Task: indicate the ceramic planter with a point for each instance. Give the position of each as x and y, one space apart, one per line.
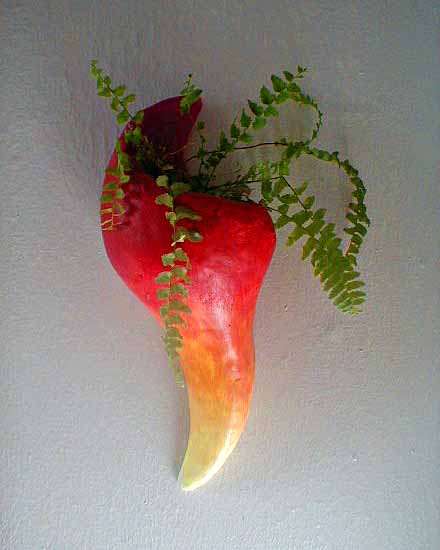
228 268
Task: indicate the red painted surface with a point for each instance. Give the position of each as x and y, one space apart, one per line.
228 268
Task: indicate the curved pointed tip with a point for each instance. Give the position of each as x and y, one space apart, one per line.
195 472
190 482
215 431
219 392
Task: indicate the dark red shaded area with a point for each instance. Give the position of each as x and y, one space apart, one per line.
165 126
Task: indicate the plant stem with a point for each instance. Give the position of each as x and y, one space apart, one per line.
273 209
244 147
240 182
260 144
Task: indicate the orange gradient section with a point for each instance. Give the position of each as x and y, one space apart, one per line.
219 372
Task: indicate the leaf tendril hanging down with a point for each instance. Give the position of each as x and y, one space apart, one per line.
174 279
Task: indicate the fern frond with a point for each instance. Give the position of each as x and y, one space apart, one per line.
251 120
119 102
323 247
288 88
357 216
112 193
190 94
172 282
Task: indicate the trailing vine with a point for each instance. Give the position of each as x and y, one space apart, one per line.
174 278
270 179
148 157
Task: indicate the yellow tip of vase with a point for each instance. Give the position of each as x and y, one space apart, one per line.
189 481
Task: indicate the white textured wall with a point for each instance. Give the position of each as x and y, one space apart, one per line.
343 444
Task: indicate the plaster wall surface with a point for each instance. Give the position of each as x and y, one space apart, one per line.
342 448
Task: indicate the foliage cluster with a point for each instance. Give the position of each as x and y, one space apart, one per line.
271 181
